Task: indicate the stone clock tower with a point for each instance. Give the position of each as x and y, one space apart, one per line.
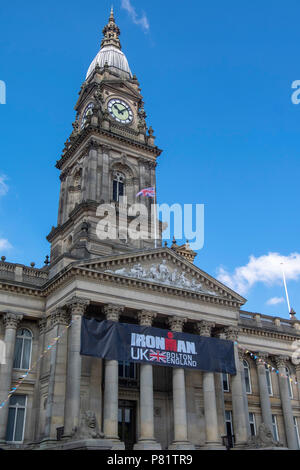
109 154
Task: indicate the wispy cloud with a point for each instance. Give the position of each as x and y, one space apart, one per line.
4 244
265 269
3 185
142 20
275 301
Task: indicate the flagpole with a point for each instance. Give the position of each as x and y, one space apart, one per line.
155 216
286 291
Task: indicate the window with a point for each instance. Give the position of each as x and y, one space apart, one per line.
269 380
252 424
118 186
22 355
16 418
229 427
127 370
225 379
275 428
247 376
296 431
288 378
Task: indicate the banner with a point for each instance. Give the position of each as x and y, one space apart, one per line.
135 343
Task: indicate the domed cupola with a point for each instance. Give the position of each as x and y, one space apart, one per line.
110 52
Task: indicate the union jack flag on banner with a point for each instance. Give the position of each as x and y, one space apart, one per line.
157 356
147 192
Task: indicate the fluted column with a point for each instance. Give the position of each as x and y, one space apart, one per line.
263 391
111 384
59 320
179 397
77 307
240 422
11 322
281 363
146 439
209 396
37 388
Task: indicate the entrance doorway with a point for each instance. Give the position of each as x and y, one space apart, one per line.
127 423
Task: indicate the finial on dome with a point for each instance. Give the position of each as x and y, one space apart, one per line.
111 32
111 18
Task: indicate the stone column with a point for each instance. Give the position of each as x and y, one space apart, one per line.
111 387
37 386
297 367
281 363
77 307
213 440
146 439
11 322
263 391
179 398
59 320
240 423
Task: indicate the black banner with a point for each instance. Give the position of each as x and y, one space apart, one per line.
134 343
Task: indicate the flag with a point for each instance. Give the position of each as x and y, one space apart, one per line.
147 192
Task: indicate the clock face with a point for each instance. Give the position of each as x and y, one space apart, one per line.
87 111
120 111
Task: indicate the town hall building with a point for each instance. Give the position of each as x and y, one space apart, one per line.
53 397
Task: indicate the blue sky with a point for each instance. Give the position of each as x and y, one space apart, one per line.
216 79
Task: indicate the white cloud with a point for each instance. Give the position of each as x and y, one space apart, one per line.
4 244
275 301
3 185
266 269
142 21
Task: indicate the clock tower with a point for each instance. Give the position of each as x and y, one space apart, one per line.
108 158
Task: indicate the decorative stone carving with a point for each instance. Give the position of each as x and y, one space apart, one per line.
204 327
12 320
264 438
146 317
77 305
42 325
281 361
176 323
60 317
113 311
162 274
232 333
261 358
88 428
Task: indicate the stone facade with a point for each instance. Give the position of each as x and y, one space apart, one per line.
69 401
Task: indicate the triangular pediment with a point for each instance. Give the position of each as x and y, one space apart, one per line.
162 267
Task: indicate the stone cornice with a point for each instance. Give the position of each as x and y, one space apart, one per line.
269 334
102 132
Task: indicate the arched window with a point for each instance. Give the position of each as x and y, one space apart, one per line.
269 380
288 378
247 376
118 186
23 346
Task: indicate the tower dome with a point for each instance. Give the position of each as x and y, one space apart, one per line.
110 52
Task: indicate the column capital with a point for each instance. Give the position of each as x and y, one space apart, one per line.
204 327
146 317
242 354
176 323
232 333
12 320
60 316
42 323
261 358
77 305
113 311
281 361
